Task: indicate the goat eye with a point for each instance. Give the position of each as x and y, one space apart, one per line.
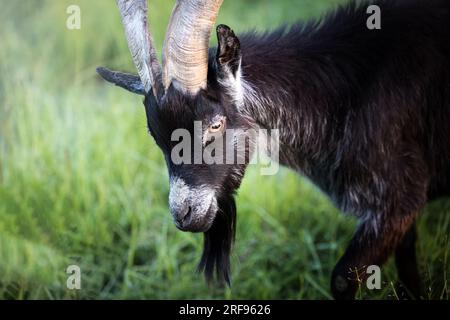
216 127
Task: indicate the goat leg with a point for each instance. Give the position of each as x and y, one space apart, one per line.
375 240
406 262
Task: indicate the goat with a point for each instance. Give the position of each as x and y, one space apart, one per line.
364 114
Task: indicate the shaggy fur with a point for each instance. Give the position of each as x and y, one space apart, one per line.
364 114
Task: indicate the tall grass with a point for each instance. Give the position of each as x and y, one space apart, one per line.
82 183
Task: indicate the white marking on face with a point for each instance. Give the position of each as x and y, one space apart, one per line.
233 86
201 199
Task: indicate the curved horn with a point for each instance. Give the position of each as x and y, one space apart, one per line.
185 52
140 43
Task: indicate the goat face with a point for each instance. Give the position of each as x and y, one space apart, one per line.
192 103
207 169
198 135
203 136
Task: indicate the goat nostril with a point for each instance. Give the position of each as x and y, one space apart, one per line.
182 218
187 214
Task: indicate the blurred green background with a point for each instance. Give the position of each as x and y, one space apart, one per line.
81 181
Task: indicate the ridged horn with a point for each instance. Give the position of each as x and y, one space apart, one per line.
140 43
185 52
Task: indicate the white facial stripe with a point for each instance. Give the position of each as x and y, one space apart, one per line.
199 198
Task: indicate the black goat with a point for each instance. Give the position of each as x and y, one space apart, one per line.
364 114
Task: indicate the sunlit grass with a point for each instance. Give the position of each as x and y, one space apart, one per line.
82 183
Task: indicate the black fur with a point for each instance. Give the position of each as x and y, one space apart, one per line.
218 241
364 114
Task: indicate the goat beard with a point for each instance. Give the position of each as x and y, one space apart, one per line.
218 241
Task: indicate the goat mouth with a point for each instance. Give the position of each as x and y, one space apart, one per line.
208 220
210 217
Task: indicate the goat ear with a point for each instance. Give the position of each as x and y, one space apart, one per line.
228 51
127 81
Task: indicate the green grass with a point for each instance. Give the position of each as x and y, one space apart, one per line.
81 182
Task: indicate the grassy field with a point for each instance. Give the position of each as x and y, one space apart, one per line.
81 182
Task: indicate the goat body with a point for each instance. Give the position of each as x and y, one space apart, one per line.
365 114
